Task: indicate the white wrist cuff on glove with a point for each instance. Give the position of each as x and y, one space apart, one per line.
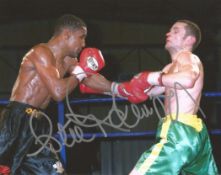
79 73
114 88
155 78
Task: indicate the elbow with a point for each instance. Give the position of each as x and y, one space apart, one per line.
190 81
189 84
57 98
57 95
184 84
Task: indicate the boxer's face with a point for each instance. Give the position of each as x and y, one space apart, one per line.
175 38
76 41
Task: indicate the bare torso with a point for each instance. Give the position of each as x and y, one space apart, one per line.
184 100
29 88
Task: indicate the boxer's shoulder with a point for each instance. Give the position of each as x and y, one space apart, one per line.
42 53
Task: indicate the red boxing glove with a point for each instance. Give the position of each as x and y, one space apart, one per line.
125 90
119 89
139 83
4 170
91 61
145 80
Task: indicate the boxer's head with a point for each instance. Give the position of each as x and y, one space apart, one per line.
192 29
183 34
70 22
73 31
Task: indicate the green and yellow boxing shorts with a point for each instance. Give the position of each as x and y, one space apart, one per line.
182 146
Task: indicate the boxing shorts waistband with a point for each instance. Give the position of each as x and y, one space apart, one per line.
187 119
23 107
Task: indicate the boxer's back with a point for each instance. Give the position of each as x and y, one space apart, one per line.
29 87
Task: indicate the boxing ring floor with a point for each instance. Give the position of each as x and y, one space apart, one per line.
116 135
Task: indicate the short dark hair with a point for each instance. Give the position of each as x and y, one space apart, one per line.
68 21
192 29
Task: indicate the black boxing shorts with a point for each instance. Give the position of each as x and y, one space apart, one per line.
17 141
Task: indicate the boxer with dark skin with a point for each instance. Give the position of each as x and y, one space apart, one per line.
41 74
40 80
42 70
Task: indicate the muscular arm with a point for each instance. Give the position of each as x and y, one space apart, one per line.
186 75
44 63
98 82
156 90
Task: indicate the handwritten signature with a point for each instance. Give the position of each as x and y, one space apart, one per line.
65 132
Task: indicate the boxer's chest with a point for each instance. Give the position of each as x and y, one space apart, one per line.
173 68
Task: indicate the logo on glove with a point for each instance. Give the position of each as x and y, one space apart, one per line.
92 63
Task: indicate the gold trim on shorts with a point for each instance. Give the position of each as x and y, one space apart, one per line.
33 113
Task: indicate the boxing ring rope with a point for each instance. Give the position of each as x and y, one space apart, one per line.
117 134
61 120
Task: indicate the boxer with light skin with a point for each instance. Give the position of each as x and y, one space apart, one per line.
183 144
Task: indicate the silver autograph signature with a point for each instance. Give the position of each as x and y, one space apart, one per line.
67 131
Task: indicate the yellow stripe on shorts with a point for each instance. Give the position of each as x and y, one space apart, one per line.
157 148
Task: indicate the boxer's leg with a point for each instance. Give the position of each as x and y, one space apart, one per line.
204 162
45 163
164 156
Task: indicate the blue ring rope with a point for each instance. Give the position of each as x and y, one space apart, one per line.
129 134
113 134
109 99
117 99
